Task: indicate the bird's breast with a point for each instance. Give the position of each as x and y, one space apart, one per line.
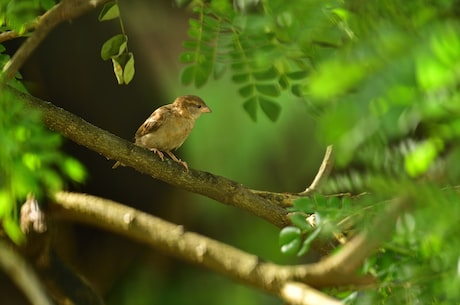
169 136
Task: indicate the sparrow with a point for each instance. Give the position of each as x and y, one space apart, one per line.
168 127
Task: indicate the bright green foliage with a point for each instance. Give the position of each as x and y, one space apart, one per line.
268 51
109 11
17 14
31 162
374 74
116 48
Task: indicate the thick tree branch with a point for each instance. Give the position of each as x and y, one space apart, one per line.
64 10
195 248
113 147
297 293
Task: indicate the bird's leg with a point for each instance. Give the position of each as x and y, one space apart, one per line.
184 164
159 153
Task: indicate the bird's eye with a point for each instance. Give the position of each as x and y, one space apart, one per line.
198 106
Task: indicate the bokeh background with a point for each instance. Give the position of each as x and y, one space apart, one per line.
283 156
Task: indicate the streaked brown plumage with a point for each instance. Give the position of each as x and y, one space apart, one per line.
169 126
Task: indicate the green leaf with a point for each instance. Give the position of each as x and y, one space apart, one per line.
321 200
114 47
300 221
334 203
239 66
109 11
190 44
240 78
251 108
74 170
268 74
283 81
202 74
421 158
31 161
324 84
297 90
297 75
187 75
269 89
52 179
13 231
290 240
287 234
118 69
123 67
187 57
270 108
305 205
307 242
6 204
246 91
292 247
219 70
47 4
128 71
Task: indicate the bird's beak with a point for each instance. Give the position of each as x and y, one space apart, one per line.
206 109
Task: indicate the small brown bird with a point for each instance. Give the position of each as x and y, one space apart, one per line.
168 127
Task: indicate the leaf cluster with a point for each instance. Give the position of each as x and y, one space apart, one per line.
268 48
116 47
318 217
15 15
398 85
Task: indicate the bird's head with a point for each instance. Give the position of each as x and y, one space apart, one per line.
191 106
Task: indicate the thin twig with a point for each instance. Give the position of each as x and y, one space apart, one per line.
323 172
286 199
9 35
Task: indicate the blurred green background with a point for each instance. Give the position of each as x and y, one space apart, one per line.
384 77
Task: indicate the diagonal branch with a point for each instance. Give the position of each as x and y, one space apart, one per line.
113 147
298 293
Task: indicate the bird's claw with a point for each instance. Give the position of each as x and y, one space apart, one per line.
159 153
183 163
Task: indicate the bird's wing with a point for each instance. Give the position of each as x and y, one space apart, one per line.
154 121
